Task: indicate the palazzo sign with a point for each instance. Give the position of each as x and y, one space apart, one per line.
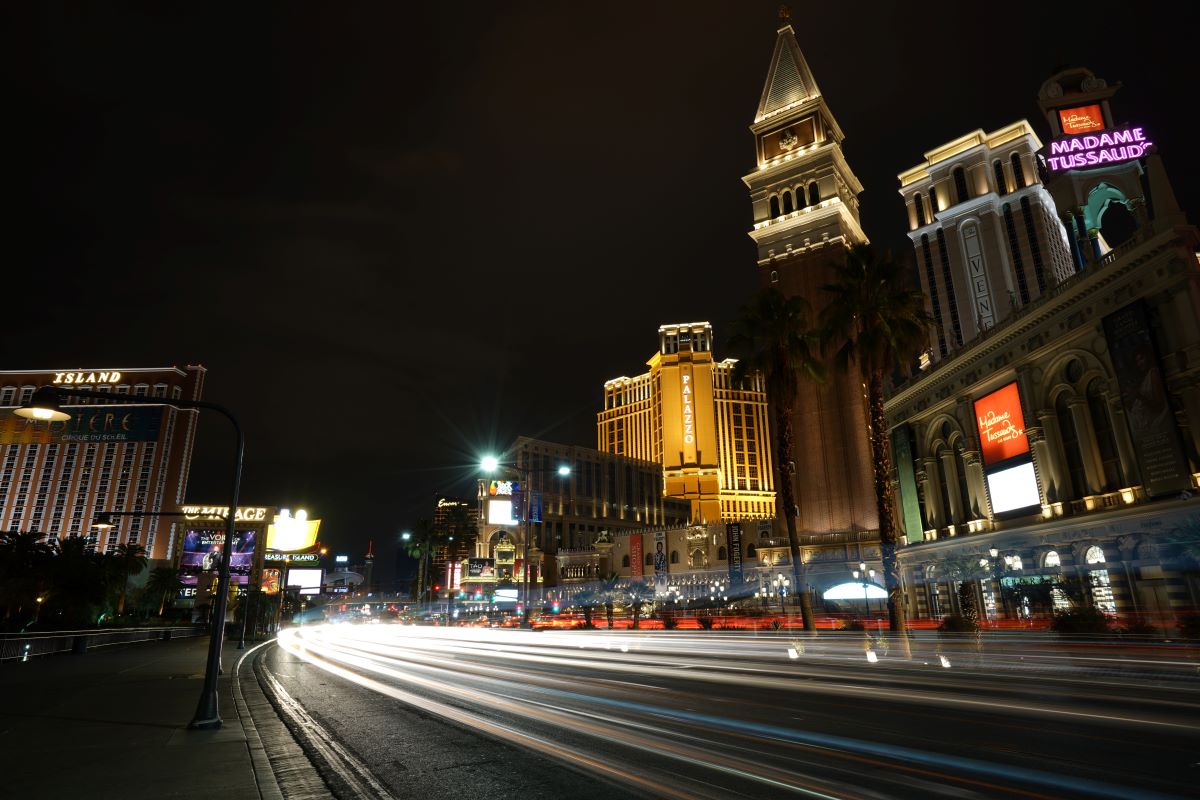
1092 150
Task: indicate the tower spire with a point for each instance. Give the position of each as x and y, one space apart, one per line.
790 82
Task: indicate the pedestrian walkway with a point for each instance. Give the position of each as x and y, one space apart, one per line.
113 724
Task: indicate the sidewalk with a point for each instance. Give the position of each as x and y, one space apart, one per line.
113 724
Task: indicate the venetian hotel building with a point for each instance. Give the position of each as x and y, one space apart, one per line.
709 435
57 477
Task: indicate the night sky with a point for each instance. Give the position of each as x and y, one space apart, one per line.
400 236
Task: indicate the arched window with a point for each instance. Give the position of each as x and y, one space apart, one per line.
625 560
722 554
1018 171
774 206
751 552
814 193
1098 581
998 171
1051 560
787 202
774 276
1070 443
1117 224
1039 267
649 559
1014 249
674 556
934 298
1095 555
960 184
1105 443
697 559
920 206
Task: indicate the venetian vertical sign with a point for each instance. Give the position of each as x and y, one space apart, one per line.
984 308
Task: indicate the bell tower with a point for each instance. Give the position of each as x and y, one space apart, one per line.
805 203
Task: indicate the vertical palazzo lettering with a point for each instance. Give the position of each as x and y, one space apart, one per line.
985 316
689 425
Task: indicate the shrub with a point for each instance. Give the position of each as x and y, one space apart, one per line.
958 624
852 624
669 622
705 622
1189 626
1080 621
1139 627
776 624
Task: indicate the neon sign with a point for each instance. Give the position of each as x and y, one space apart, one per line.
86 377
1110 147
689 424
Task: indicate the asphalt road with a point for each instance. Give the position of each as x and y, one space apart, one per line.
465 713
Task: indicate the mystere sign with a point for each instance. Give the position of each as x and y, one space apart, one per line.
1092 150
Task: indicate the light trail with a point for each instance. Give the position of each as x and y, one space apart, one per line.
561 694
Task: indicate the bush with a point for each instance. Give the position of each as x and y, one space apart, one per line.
776 624
958 624
1189 626
852 624
1080 621
705 622
1139 627
669 622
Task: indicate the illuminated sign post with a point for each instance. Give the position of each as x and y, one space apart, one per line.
1092 150
1008 465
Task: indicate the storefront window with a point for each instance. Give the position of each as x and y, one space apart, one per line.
1102 596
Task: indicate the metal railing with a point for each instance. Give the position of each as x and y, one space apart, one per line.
23 646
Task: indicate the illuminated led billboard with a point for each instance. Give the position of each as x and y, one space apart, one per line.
1001 425
500 512
1083 119
308 581
290 534
1013 488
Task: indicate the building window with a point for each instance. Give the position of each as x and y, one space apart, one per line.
722 554
774 276
998 171
625 560
697 559
649 560
934 298
960 184
1105 443
920 207
787 202
1070 443
674 556
1051 560
1015 248
774 206
949 281
1039 269
814 193
1018 171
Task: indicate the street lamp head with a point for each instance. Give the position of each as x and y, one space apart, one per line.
862 566
43 406
993 552
490 463
856 573
564 471
405 536
103 522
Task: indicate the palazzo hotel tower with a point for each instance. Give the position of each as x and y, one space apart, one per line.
709 434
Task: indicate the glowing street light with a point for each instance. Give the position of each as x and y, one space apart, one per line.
45 405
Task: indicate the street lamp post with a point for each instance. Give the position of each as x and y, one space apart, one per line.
45 406
490 464
862 573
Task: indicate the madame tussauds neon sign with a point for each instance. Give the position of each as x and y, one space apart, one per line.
1092 150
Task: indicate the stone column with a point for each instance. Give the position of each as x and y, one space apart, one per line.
1093 468
1057 486
976 487
935 505
1190 395
1125 452
1128 547
950 470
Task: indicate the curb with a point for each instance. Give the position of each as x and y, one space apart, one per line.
264 776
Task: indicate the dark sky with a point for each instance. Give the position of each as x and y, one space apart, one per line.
399 236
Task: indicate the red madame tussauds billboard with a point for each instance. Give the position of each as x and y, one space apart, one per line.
1001 425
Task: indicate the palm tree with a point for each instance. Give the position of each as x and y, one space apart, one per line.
584 600
608 593
26 562
162 583
878 324
130 559
774 338
640 595
420 548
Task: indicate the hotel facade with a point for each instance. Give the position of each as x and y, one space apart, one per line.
56 478
708 434
1046 451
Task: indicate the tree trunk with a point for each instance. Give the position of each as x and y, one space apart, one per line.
608 609
121 601
587 617
881 456
787 501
